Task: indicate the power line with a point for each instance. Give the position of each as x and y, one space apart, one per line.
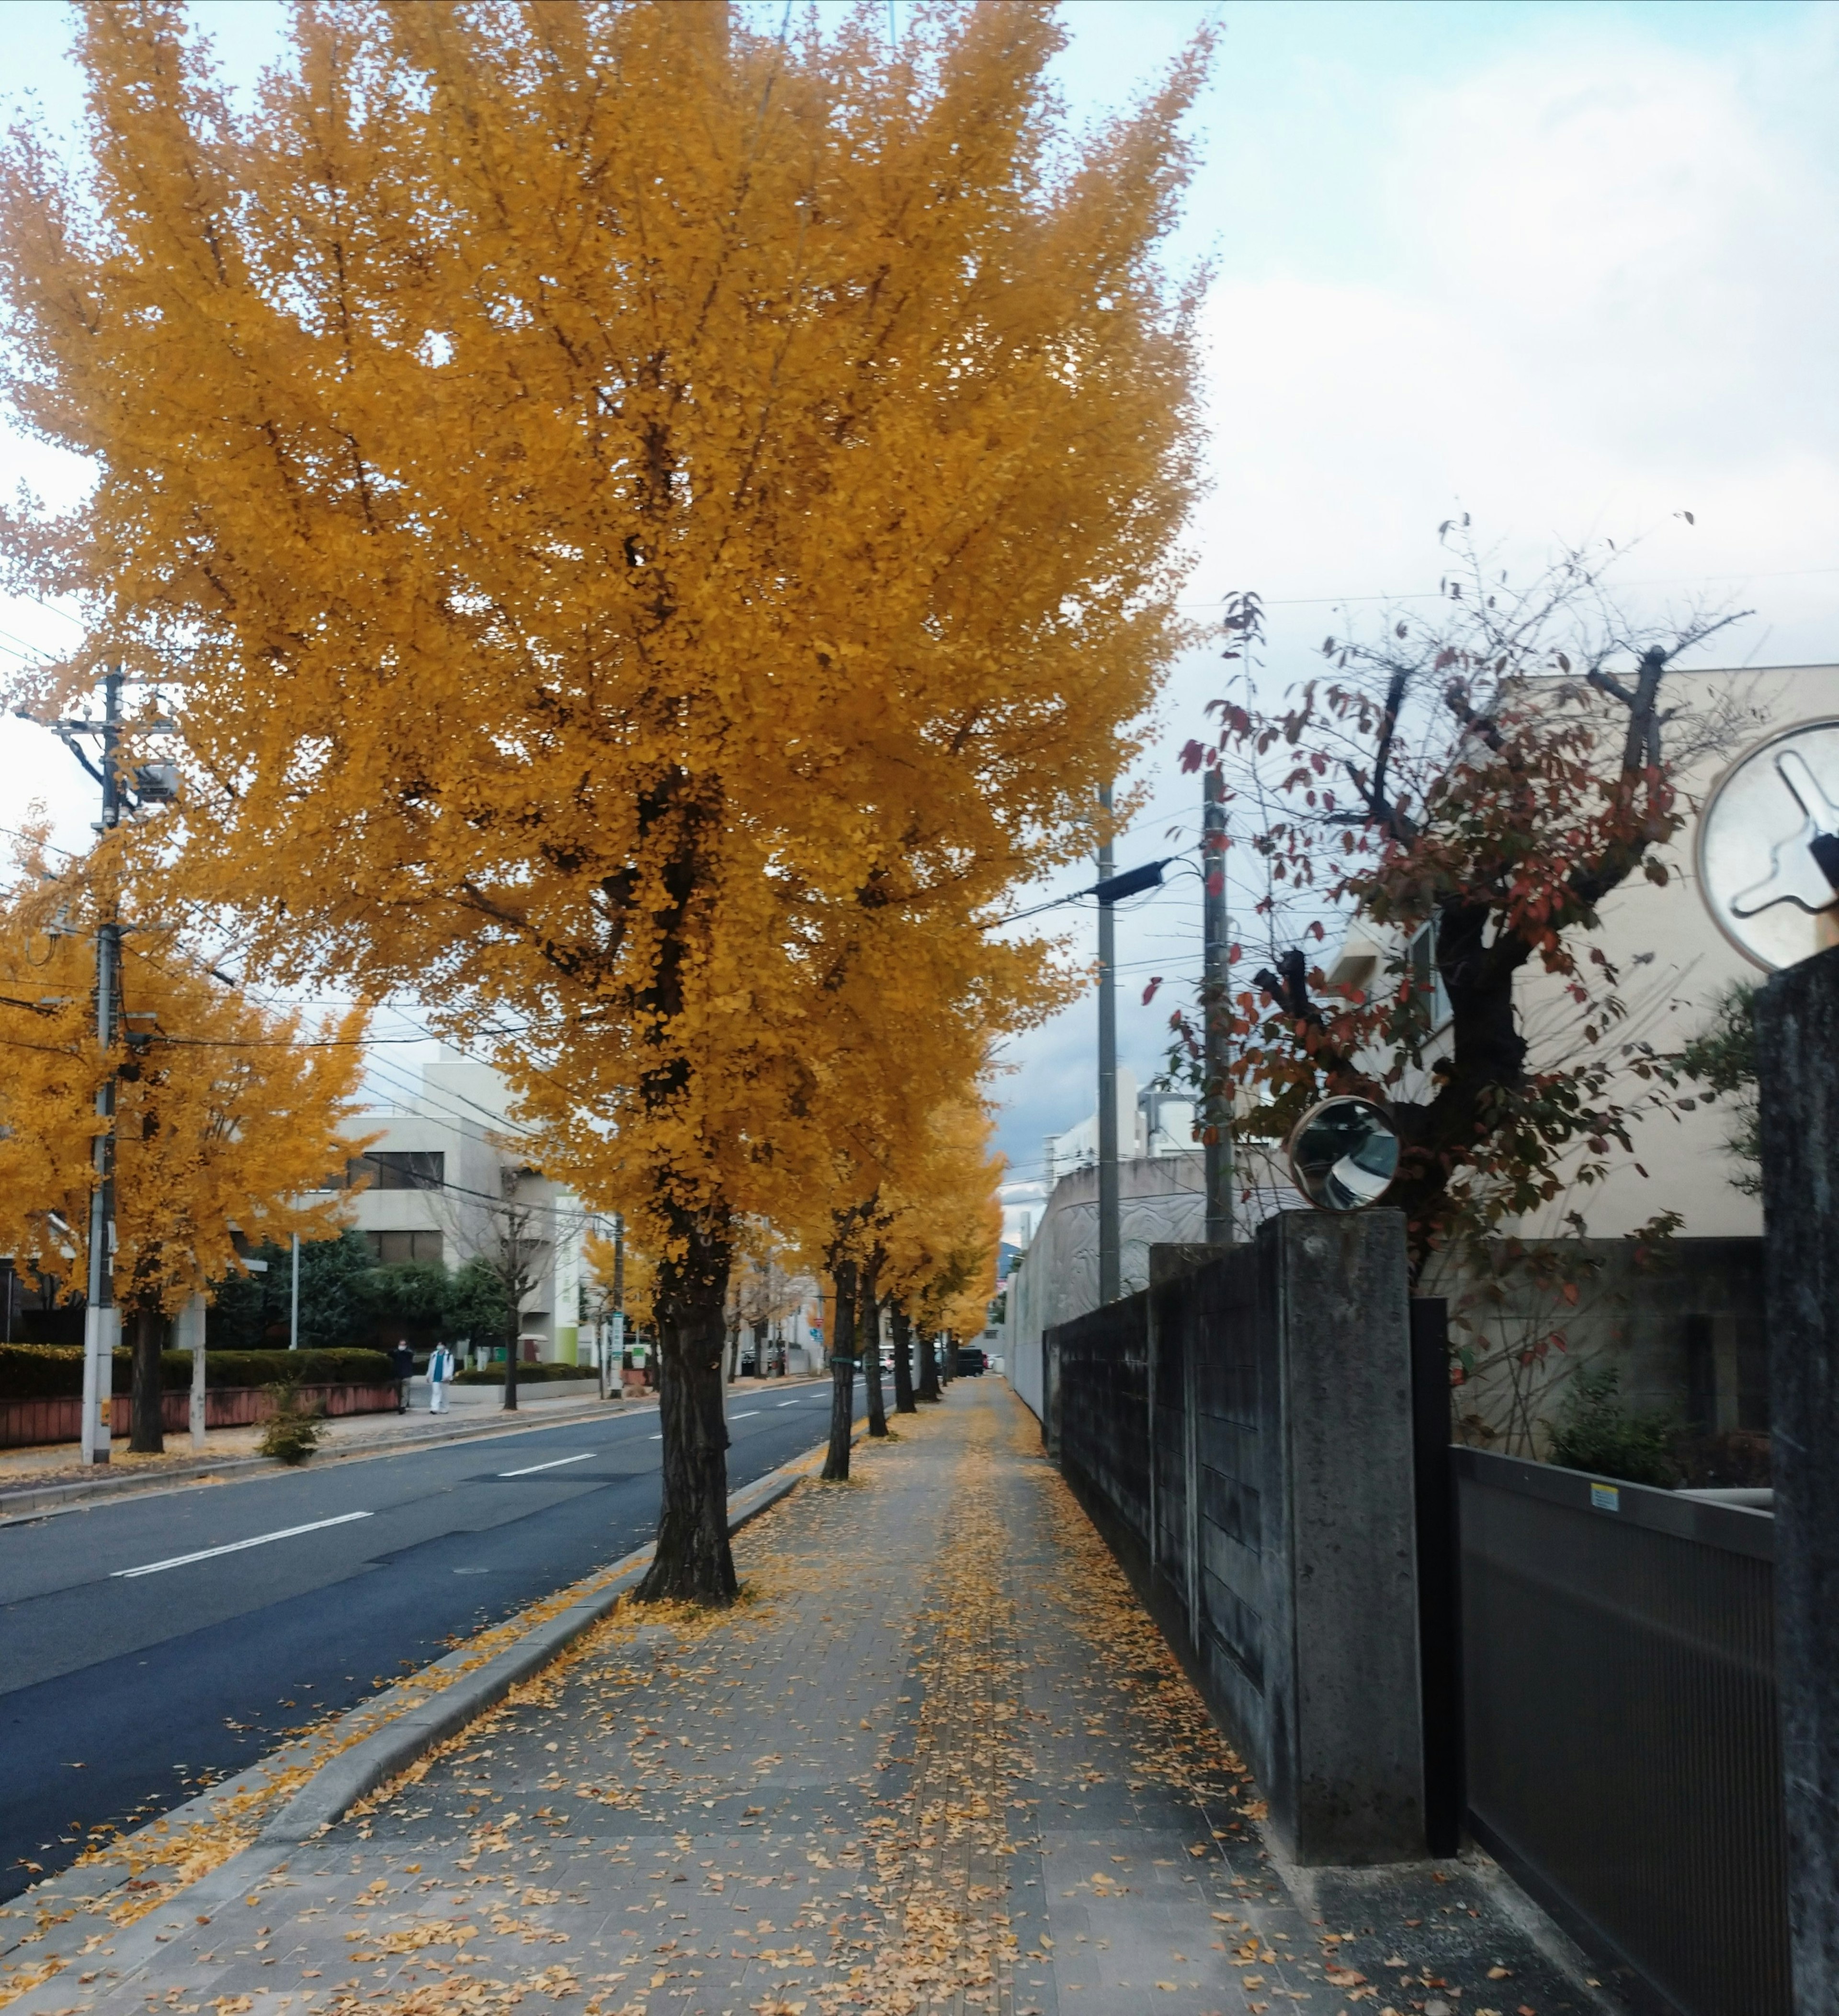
1430 595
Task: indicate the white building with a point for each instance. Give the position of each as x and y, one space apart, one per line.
1151 1123
445 1182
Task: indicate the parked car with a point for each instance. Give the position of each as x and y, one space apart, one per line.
972 1362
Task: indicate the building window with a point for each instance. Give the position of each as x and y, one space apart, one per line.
398 1169
392 1249
1426 982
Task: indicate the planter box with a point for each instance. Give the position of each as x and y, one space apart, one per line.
25 1424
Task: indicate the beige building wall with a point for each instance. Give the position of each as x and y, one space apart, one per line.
1675 964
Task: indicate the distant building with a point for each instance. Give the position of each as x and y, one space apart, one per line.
1152 1123
445 1182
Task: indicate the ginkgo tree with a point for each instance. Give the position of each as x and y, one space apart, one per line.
610 493
230 1117
945 1227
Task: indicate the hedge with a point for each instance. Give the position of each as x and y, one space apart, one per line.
528 1375
44 1371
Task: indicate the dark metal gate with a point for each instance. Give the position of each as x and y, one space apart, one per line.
1615 1735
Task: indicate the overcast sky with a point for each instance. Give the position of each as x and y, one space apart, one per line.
1569 267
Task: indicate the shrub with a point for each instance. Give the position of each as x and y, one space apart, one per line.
47 1371
1596 1431
348 1366
528 1375
293 1433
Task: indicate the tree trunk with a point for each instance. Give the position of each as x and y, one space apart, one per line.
693 1563
901 1329
948 1357
871 1349
734 1351
146 1429
928 1366
842 1374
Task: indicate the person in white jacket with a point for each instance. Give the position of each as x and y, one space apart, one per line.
440 1371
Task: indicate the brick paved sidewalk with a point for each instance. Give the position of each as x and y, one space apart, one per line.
939 1760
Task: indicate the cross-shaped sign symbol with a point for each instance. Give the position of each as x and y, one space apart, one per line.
1804 869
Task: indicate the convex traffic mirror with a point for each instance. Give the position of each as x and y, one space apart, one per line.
1343 1154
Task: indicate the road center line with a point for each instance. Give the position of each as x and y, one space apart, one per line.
531 1469
236 1546
788 1403
747 1417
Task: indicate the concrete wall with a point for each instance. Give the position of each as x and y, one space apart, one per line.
1684 1326
1160 1203
1241 1433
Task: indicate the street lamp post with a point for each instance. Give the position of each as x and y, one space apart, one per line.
101 1319
1216 1111
1109 1227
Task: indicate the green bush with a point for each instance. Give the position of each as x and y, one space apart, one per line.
293 1432
528 1375
1596 1432
45 1371
349 1366
48 1371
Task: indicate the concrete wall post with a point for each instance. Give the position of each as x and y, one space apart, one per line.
1345 1728
1797 1060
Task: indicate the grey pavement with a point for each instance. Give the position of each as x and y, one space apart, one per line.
939 1759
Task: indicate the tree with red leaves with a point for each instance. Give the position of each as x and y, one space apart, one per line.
1472 787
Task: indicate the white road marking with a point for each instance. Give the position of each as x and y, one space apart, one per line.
747 1417
657 1438
531 1470
790 1403
236 1546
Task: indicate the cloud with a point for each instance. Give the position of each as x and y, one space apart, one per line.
1601 287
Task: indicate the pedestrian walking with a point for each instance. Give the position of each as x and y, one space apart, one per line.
402 1357
440 1371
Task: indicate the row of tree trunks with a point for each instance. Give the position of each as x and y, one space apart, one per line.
693 1563
836 1469
870 1347
928 1365
901 1327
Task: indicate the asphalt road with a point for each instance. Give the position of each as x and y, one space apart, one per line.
130 1672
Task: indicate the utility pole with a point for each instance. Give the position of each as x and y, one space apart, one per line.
619 1298
294 1300
1108 1273
1216 1109
101 1319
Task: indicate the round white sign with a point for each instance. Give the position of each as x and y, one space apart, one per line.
1767 851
